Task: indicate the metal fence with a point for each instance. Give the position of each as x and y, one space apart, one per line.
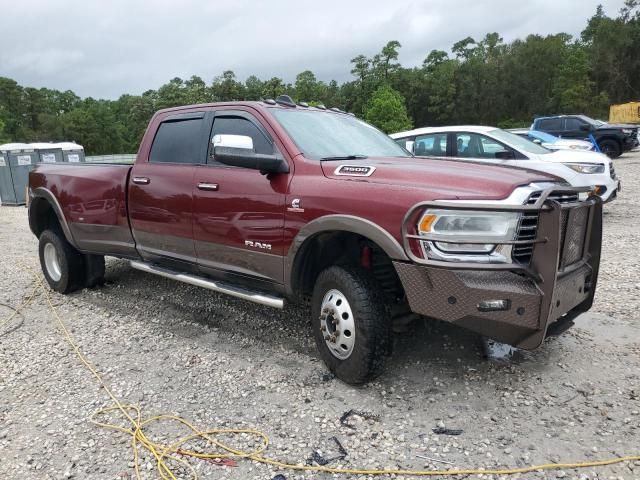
118 158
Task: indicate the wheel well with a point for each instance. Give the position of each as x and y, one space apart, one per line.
611 139
42 217
343 248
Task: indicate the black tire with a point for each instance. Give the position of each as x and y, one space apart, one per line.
610 148
93 270
70 272
370 316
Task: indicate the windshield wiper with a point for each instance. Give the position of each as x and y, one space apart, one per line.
345 157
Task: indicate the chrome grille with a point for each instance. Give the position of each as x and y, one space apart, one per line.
528 228
557 196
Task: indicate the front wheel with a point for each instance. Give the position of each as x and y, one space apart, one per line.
610 148
351 324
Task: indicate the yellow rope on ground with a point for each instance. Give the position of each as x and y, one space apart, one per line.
166 454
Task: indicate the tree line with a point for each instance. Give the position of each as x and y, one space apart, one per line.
484 81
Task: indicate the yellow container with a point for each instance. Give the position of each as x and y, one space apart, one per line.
625 113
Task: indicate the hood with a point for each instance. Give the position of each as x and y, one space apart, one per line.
616 126
444 178
575 156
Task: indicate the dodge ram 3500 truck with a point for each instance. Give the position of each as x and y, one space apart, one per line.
274 202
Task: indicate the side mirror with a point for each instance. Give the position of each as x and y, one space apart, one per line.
505 155
237 151
233 141
585 128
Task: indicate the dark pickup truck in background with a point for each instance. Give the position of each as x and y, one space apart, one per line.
274 202
612 139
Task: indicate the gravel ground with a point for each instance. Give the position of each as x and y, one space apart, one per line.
221 362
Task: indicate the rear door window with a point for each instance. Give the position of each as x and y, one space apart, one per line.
550 124
179 141
433 144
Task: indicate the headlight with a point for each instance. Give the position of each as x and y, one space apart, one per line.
580 147
485 229
586 167
627 131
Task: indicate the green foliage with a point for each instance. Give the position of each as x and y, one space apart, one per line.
387 110
481 81
4 138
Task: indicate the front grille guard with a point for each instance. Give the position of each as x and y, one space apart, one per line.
547 242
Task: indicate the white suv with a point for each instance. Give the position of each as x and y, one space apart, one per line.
493 145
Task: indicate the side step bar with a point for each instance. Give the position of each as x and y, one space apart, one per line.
232 290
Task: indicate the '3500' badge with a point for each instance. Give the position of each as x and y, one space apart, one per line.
355 170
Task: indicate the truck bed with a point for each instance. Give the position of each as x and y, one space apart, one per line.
92 198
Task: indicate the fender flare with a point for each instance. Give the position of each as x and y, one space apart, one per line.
340 223
49 197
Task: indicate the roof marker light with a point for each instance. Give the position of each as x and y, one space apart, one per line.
285 100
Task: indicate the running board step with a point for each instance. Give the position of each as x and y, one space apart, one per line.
232 290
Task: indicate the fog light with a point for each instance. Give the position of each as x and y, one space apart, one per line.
494 305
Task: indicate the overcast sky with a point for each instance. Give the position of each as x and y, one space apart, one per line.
106 48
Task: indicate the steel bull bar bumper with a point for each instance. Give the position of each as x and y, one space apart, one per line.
556 285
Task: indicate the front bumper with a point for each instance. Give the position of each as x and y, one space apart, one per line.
558 283
629 143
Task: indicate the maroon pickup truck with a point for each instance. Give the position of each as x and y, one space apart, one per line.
274 202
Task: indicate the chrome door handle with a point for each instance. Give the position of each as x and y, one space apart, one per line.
210 187
141 180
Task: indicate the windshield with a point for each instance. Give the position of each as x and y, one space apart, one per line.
518 142
324 135
542 136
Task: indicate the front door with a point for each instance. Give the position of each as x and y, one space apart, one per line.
238 212
161 190
576 128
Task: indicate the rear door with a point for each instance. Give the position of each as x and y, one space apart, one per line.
161 190
238 212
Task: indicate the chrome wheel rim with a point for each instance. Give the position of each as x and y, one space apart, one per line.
51 262
337 324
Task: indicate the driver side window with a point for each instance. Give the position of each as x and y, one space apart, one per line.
474 145
573 124
235 125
